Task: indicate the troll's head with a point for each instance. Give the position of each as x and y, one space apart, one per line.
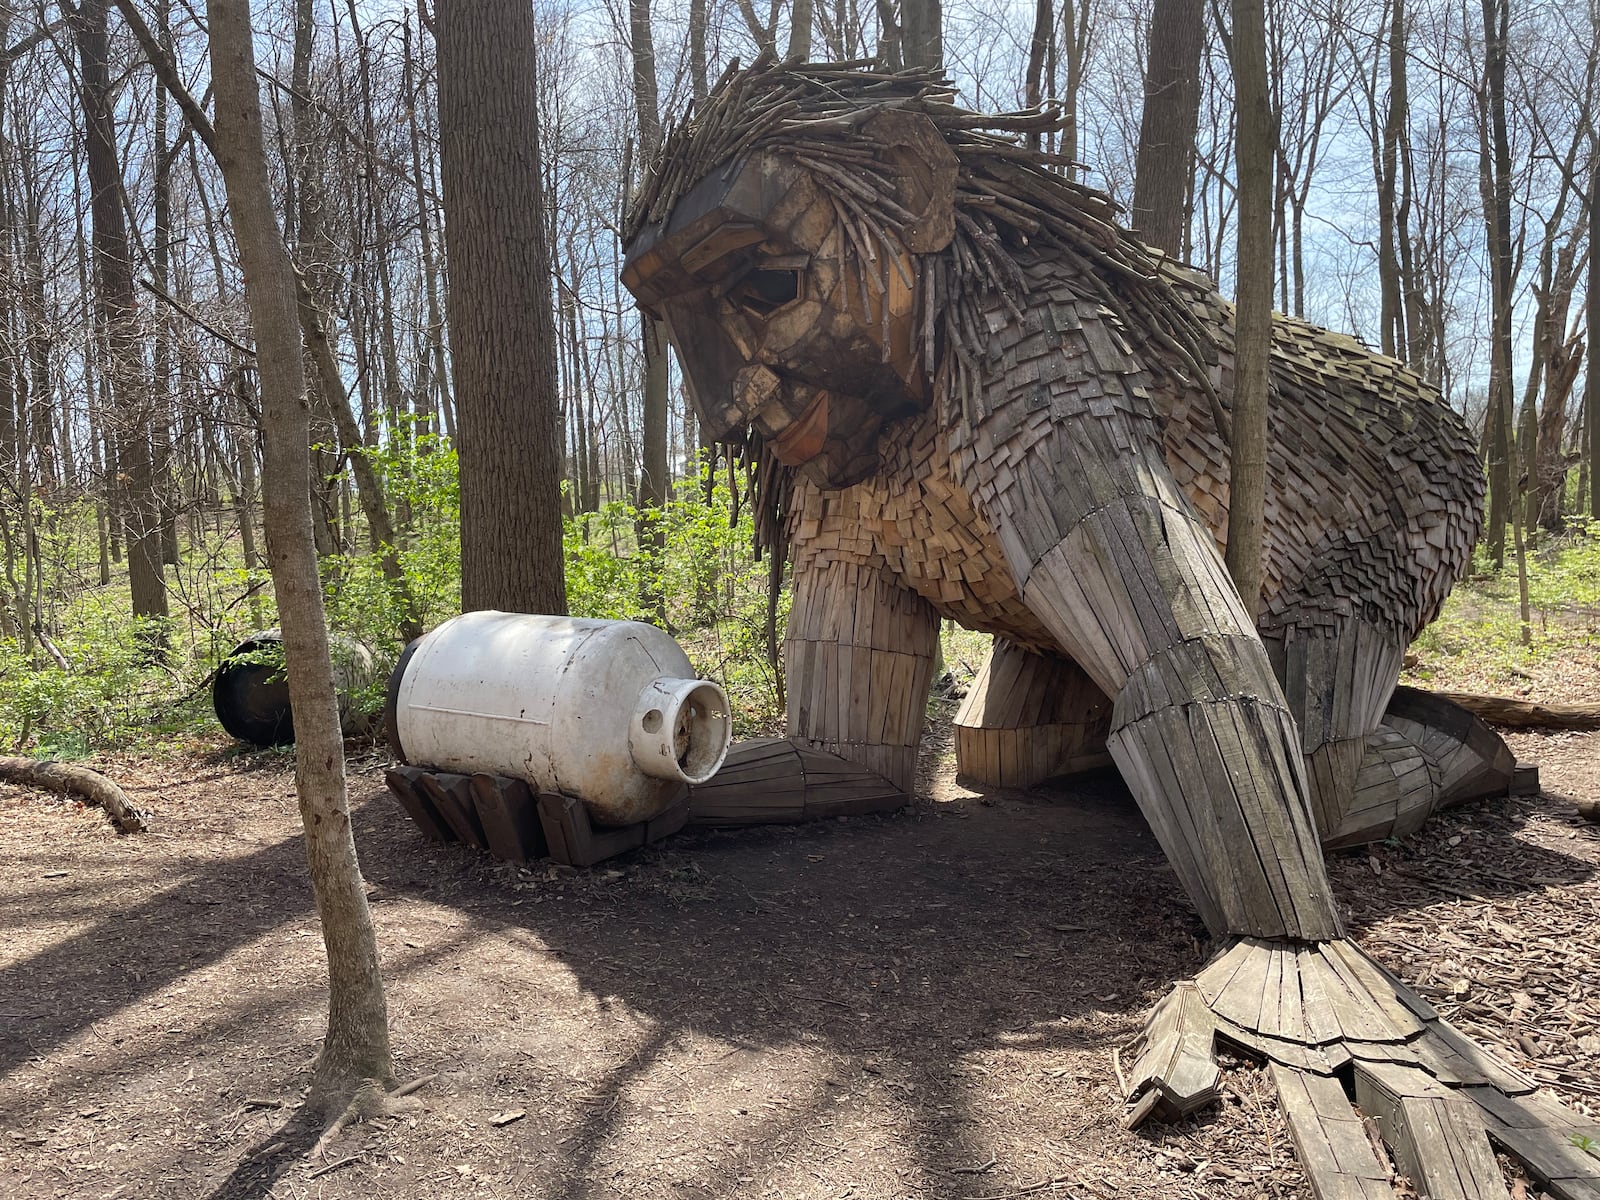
810 237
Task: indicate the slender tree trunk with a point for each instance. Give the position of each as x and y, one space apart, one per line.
369 487
161 358
437 373
800 18
1591 383
381 250
1391 321
1164 162
356 1048
118 312
1075 27
655 472
305 211
36 384
1497 213
1038 45
244 498
697 73
1253 337
922 33
697 52
502 328
1562 362
890 53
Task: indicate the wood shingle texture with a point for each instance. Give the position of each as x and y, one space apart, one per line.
968 393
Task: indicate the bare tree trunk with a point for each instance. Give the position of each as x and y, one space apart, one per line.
800 18
356 1048
118 309
1411 290
1075 27
305 213
922 31
654 474
161 358
437 374
1497 215
890 53
381 250
765 33
244 496
1247 476
697 73
34 415
1562 364
1038 44
1164 162
1392 320
698 80
502 329
1591 383
369 488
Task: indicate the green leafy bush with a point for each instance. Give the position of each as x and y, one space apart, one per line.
1481 621
714 589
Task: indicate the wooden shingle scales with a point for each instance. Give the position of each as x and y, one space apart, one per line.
973 395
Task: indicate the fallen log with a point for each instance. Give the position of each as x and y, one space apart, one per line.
1525 714
89 786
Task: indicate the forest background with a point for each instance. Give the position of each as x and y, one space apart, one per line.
130 464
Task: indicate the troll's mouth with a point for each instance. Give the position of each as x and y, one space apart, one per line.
803 438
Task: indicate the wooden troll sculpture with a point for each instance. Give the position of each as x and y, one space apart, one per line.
973 396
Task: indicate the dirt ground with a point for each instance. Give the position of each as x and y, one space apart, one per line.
928 1004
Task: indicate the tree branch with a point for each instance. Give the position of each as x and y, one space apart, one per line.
194 317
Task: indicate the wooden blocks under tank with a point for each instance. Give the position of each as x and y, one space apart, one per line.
575 841
508 819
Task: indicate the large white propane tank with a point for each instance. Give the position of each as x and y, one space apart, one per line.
608 712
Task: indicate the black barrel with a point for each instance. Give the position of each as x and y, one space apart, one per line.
251 691
252 697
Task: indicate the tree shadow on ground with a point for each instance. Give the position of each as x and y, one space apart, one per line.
130 953
270 1160
905 952
899 950
904 945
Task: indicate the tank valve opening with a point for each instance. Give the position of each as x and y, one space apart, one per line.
682 730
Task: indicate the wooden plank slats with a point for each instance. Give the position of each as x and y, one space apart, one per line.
1319 1060
1548 1138
1364 978
1457 1059
1437 1137
509 817
451 796
574 840
1472 759
1027 718
1179 1057
1321 1019
403 784
1554 1157
1532 1111
1339 1160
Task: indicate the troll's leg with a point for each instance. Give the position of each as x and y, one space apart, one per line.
858 658
1030 717
1377 768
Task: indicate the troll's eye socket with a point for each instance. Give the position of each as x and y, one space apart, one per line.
764 291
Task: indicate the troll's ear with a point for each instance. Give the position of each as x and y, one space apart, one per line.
925 175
